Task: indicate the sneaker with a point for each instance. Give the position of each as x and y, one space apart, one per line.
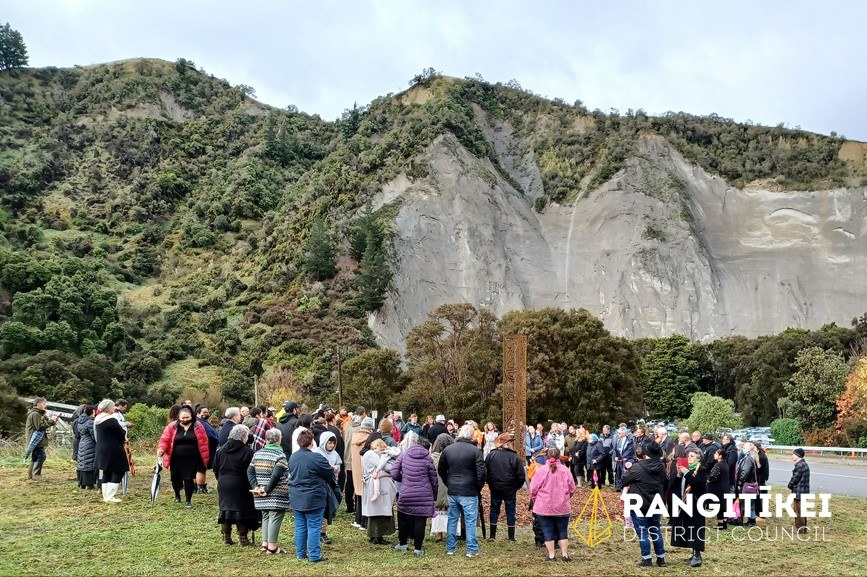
450 552
188 505
476 554
320 560
356 525
400 547
325 540
550 559
177 499
418 552
645 563
566 559
660 561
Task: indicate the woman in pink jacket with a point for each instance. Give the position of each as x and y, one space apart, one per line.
184 449
551 491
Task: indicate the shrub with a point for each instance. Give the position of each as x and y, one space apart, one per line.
148 422
787 432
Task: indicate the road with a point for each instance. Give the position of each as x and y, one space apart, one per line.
826 475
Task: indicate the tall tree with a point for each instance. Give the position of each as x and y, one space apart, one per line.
852 404
710 414
576 369
672 374
366 226
814 388
373 277
13 52
373 379
320 252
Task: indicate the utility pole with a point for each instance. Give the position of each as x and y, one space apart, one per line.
339 380
256 390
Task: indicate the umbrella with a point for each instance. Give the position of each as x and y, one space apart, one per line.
155 484
124 483
482 517
34 440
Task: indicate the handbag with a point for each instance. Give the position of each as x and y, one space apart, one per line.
750 488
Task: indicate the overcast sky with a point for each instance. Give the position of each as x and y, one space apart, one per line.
796 62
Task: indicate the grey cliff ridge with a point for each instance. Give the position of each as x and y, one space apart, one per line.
661 248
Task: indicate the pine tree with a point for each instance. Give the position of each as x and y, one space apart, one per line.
320 252
373 277
366 227
352 119
13 52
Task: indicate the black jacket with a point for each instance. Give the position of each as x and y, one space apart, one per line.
286 425
434 431
800 481
110 453
230 469
462 469
764 468
87 445
718 479
708 453
645 478
732 460
505 471
595 451
747 472
226 427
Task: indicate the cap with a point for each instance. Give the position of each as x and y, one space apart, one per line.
799 452
707 436
440 418
290 405
367 424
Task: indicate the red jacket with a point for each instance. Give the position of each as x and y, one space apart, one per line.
167 442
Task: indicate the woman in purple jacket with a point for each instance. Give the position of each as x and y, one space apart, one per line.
415 469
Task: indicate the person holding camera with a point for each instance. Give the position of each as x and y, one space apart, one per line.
38 422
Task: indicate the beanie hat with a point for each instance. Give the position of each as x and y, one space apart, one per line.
653 451
367 424
594 436
799 452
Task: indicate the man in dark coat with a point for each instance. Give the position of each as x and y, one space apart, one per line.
202 416
624 452
799 484
606 439
437 429
287 424
731 452
708 448
646 478
718 484
233 417
595 460
763 475
688 528
505 473
463 471
37 422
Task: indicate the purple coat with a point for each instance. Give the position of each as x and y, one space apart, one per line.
415 470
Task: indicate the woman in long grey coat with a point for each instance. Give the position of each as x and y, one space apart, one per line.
86 457
379 512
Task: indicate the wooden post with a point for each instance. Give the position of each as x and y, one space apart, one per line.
339 380
515 388
256 390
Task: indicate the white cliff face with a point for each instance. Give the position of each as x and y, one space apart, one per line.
662 248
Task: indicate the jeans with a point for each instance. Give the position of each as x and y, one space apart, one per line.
271 521
38 456
647 529
618 475
496 500
308 526
470 508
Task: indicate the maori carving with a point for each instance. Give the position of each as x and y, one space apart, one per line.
515 388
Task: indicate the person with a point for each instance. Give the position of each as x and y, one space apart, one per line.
606 439
439 524
437 428
187 403
748 480
268 477
416 472
718 485
305 423
378 512
258 426
174 411
232 418
287 423
731 453
764 473
428 423
385 463
86 458
111 456
462 469
386 430
579 456
450 429
76 438
37 421
329 448
411 425
342 418
571 437
396 427
357 443
595 460
184 449
237 506
551 491
505 475
489 438
688 528
532 443
708 447
624 452
349 430
646 478
558 437
799 484
245 412
696 438
311 480
121 406
639 438
202 416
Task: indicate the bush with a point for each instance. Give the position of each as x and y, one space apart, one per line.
862 442
148 422
787 432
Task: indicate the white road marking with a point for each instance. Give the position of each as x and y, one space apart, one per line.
825 474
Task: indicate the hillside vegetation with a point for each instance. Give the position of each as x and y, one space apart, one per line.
157 220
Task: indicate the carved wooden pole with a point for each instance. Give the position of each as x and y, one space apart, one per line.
515 388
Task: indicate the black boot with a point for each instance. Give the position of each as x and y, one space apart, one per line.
493 534
203 489
696 560
243 539
324 538
511 531
30 469
227 533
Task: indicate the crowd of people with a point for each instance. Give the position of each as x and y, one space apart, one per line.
270 462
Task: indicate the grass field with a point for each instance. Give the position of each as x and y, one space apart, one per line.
52 528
